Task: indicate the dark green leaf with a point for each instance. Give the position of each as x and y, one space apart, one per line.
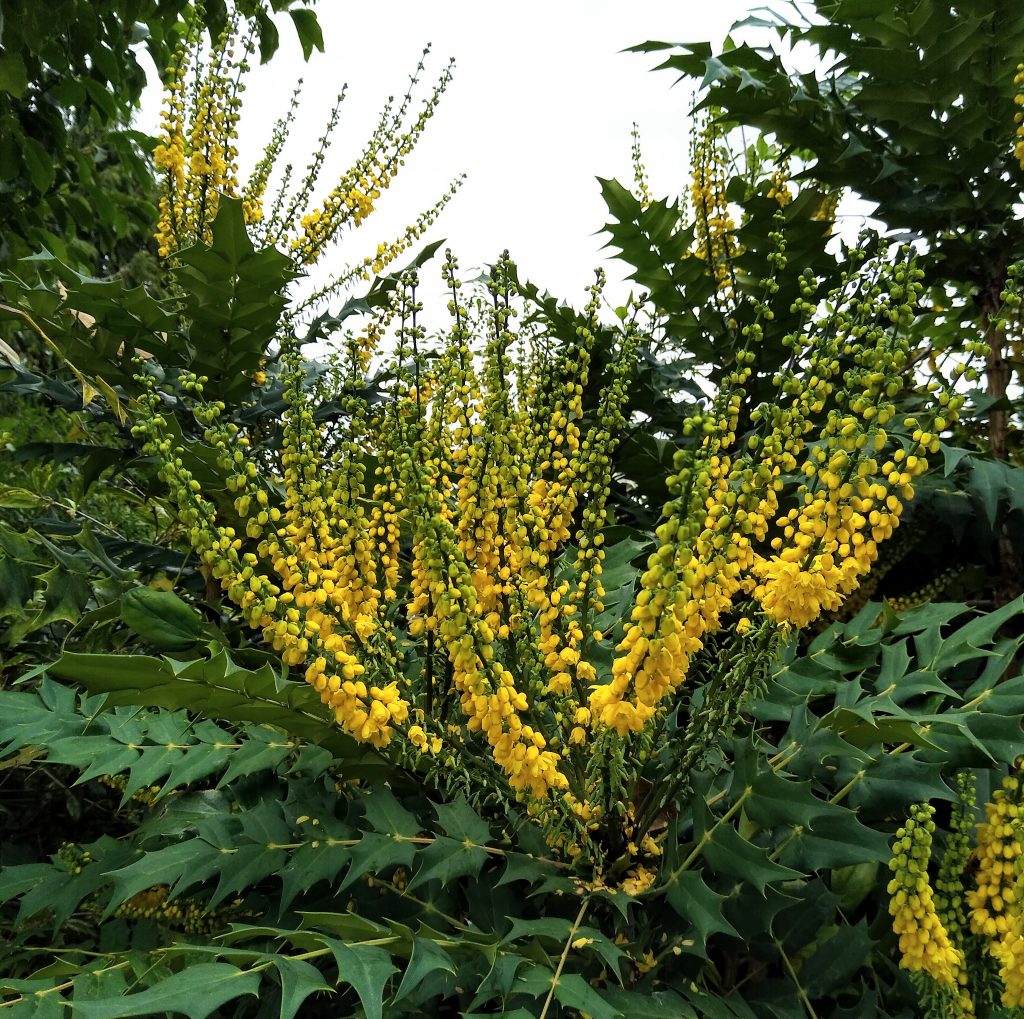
13 77
693 900
728 853
426 958
195 992
308 30
387 815
573 991
445 860
161 618
39 164
299 979
367 969
461 822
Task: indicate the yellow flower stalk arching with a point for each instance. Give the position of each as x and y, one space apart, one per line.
725 536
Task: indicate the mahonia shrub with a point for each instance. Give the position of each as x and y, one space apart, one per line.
432 563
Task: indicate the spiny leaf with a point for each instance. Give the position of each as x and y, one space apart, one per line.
647 1004
693 900
461 821
728 853
367 969
161 618
387 815
426 958
574 992
195 992
447 860
299 979
217 688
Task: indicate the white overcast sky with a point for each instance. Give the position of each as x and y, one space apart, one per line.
541 104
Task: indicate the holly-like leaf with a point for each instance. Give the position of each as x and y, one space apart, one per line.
693 900
161 618
217 687
574 992
727 852
445 860
387 815
427 958
461 821
837 958
194 992
647 1004
837 841
367 969
299 979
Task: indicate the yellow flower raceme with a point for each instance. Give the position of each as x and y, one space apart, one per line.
196 152
196 159
994 898
726 506
924 943
714 241
779 184
433 562
995 903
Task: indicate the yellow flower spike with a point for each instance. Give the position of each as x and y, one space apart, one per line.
714 242
998 849
924 943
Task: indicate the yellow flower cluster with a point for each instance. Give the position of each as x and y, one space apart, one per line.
778 184
433 563
826 211
385 253
950 900
185 913
932 591
353 197
829 423
996 901
488 479
993 900
197 159
196 155
1018 117
256 187
990 912
714 234
924 943
643 187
